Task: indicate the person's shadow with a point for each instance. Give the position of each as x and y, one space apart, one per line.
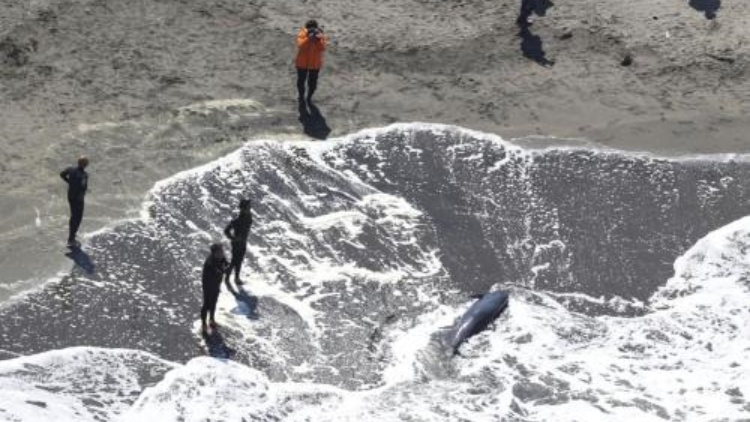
217 347
531 47
708 7
313 122
247 303
81 259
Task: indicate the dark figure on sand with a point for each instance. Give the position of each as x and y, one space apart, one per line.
237 231
311 43
77 180
708 7
532 6
213 273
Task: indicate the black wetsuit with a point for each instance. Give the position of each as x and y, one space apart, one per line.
213 273
78 181
237 231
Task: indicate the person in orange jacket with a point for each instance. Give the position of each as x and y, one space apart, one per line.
311 43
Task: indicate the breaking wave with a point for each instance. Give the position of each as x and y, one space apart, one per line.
365 248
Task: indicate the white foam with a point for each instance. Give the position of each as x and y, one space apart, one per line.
603 368
76 384
350 221
206 389
680 358
206 106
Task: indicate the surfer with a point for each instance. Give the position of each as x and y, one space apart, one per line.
213 272
77 180
528 7
311 43
237 231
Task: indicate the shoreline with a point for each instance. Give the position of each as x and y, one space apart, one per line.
112 81
56 263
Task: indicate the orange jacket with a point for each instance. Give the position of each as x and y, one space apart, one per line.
310 52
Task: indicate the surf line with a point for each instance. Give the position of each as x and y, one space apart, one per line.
18 355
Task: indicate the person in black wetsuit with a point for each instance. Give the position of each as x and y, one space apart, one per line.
527 8
237 231
213 272
532 6
77 180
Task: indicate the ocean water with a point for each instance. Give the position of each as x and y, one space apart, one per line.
628 276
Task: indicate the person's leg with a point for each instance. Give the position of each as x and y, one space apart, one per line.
232 267
212 308
204 311
229 270
212 314
238 255
228 273
301 77
312 83
76 215
71 233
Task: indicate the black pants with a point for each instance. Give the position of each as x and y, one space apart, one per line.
76 215
309 75
238 255
210 297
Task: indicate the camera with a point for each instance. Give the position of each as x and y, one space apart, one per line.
312 32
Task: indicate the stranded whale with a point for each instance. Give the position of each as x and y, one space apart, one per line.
478 317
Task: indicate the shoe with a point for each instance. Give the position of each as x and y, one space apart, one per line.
239 282
524 22
74 244
213 325
205 331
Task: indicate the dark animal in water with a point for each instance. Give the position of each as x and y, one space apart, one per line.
478 317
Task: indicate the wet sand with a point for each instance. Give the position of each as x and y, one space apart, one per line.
112 80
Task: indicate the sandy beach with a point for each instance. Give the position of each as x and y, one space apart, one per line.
148 89
478 218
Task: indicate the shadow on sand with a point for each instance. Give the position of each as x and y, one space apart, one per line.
247 303
313 122
531 47
217 347
81 259
708 7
